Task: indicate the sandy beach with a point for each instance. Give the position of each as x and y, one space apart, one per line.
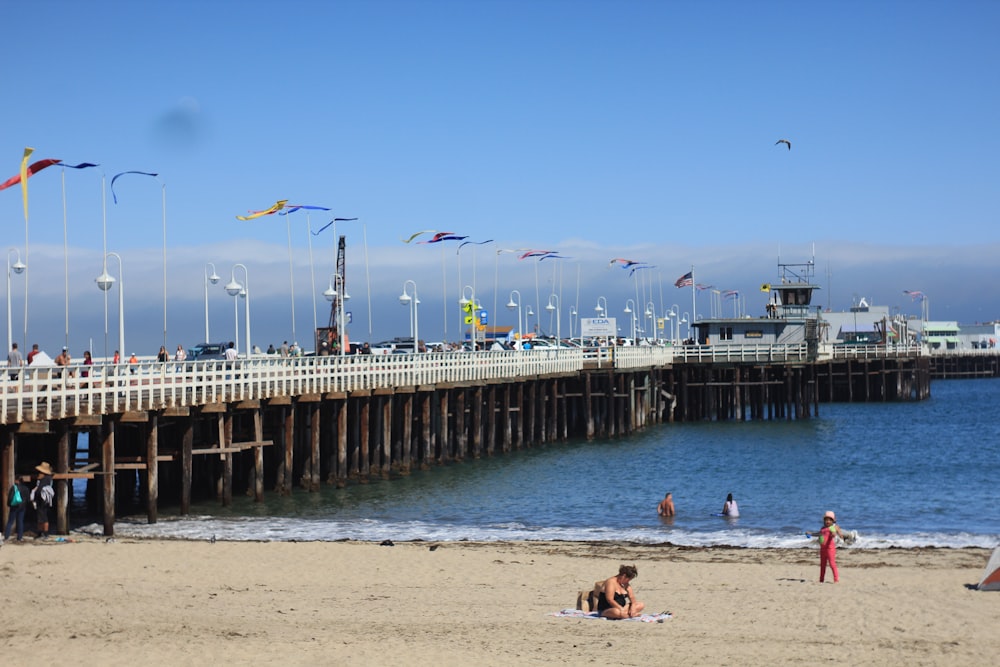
198 603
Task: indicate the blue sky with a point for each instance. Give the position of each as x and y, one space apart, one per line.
643 130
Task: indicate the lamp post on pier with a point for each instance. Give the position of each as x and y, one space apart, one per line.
549 307
651 314
675 314
411 301
630 312
517 304
214 279
235 290
105 282
18 267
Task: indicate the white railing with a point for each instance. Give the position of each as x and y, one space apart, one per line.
642 356
830 351
38 394
781 352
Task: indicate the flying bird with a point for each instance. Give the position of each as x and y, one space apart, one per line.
784 141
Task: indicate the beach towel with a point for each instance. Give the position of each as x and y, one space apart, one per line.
579 613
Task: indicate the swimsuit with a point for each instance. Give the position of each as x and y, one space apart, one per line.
828 551
620 598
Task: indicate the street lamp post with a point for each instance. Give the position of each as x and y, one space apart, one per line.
517 304
412 302
214 279
105 282
601 309
675 313
572 318
235 290
18 268
549 307
651 314
685 319
631 314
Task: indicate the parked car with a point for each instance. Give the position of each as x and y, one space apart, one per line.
207 352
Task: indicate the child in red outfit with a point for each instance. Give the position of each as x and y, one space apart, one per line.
828 546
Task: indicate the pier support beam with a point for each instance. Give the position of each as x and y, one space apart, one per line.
152 470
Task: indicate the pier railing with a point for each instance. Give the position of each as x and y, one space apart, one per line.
37 394
830 351
782 352
43 393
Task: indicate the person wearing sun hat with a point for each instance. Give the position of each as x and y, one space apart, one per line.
42 496
828 546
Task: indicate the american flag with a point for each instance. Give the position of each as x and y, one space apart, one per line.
701 287
685 281
915 295
731 293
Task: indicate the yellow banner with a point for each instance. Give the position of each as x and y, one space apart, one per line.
24 180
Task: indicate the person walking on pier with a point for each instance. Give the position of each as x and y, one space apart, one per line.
14 361
62 360
42 496
34 351
17 503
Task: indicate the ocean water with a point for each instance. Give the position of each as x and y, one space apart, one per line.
901 474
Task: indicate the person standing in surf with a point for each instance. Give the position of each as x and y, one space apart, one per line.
666 506
730 509
828 546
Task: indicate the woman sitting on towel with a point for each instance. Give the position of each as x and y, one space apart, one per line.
618 599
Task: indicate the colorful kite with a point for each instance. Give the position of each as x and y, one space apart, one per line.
413 236
624 263
473 243
82 165
316 233
33 169
117 176
641 266
278 205
292 208
538 253
444 236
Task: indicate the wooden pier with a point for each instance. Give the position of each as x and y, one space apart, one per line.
171 433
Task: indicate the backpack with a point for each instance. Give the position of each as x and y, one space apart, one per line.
15 498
